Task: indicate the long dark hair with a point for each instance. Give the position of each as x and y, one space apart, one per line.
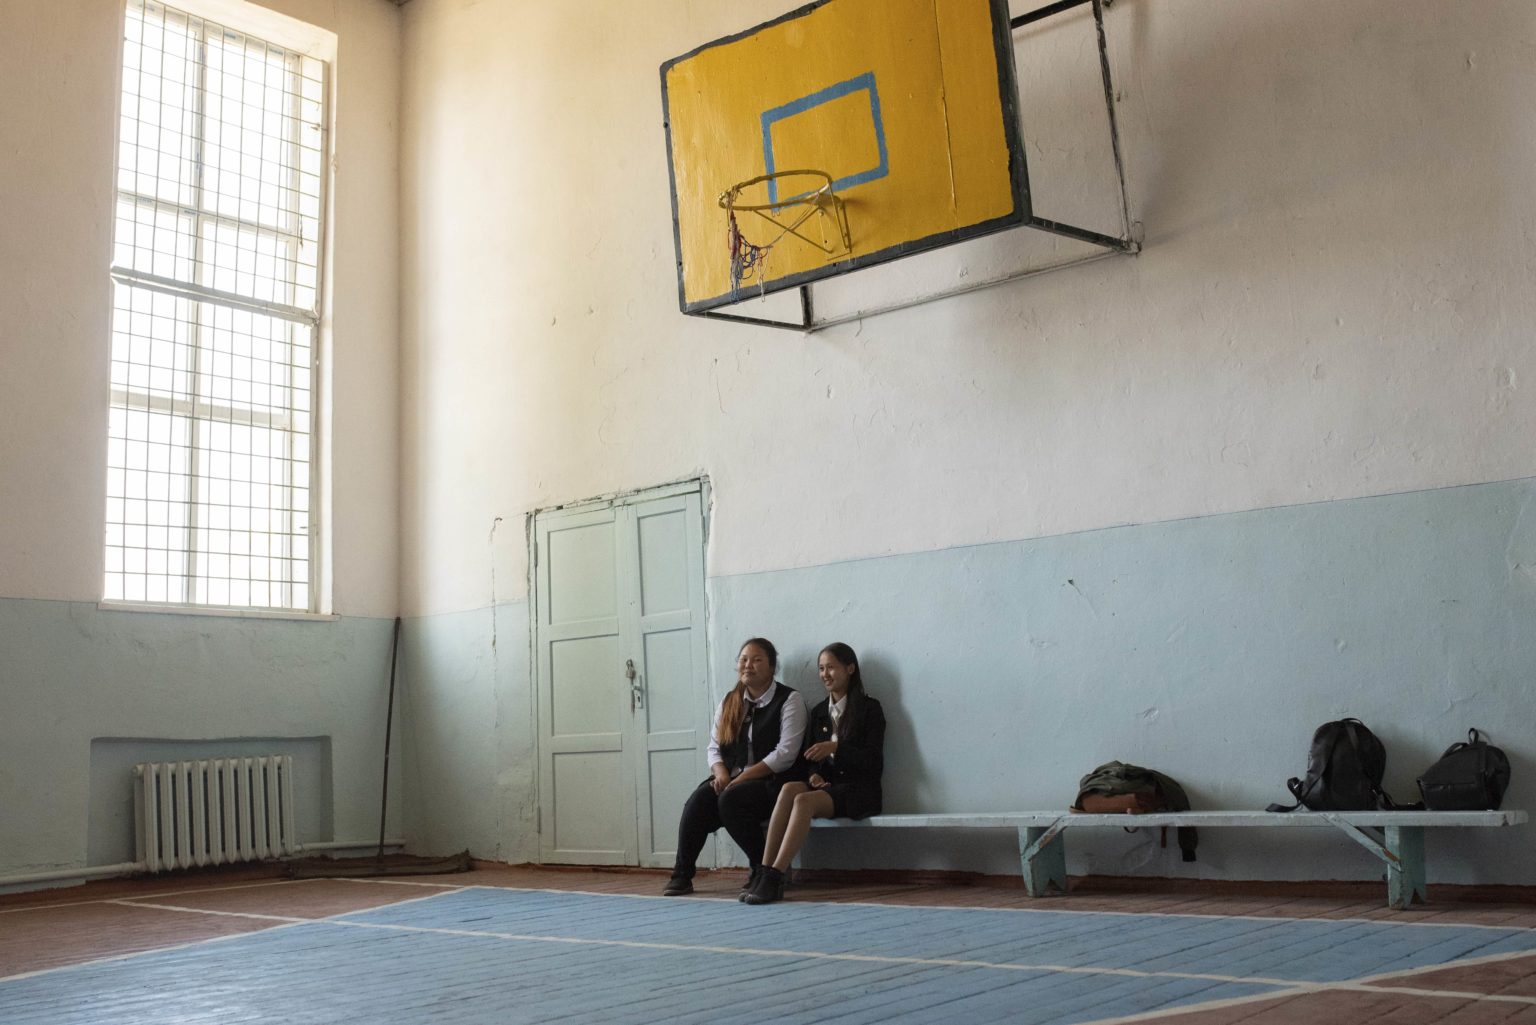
853 711
732 712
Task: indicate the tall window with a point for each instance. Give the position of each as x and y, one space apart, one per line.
215 269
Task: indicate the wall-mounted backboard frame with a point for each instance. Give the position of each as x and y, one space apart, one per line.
907 107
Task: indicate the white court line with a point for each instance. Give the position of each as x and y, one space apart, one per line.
208 911
699 948
391 904
1448 994
1306 989
165 893
1252 980
222 889
135 903
1466 962
283 923
1196 1008
847 903
141 953
396 882
1284 987
141 901
1027 911
1360 985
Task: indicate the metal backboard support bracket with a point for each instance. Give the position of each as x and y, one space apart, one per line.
1128 243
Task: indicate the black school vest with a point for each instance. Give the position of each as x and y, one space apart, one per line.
766 724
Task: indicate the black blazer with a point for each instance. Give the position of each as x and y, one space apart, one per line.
861 758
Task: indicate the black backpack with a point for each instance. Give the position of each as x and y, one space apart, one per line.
1344 771
1470 776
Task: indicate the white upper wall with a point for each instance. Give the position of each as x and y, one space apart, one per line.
59 109
1335 298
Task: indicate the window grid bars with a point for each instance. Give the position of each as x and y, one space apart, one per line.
278 222
210 470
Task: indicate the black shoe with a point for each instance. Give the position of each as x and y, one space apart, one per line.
751 883
770 887
678 886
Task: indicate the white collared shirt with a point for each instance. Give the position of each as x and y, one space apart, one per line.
791 730
837 708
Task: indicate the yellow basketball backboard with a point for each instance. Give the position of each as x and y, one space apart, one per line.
908 106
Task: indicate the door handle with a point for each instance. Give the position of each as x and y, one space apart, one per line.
636 690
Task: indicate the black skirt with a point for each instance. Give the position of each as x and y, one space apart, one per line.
852 801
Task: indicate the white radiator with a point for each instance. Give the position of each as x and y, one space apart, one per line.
213 812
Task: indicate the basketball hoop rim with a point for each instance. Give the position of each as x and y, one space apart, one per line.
728 197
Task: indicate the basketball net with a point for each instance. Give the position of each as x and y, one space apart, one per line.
749 259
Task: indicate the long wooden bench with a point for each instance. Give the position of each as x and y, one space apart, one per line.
1396 837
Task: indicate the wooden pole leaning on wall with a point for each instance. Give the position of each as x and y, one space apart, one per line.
379 865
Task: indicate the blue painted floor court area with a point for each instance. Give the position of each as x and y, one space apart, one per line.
493 956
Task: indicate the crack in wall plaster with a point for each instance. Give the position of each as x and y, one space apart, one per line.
1073 584
491 542
1520 549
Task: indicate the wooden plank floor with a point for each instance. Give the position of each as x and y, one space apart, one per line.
225 948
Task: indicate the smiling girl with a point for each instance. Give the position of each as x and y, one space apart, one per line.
844 757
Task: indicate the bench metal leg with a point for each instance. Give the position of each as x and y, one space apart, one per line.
1043 853
1402 848
1405 871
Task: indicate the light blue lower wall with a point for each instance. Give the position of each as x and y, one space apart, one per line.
468 739
1208 648
71 674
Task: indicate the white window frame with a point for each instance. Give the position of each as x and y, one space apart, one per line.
305 40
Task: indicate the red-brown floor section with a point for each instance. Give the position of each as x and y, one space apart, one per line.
310 898
77 925
48 938
1513 977
1351 1007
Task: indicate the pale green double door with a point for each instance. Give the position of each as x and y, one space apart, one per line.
622 677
